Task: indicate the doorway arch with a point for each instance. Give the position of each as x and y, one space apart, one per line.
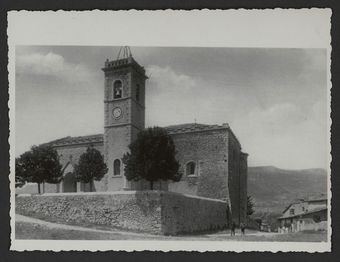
69 182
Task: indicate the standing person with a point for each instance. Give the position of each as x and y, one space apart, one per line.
243 228
232 231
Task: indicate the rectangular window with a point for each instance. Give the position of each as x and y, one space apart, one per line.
137 93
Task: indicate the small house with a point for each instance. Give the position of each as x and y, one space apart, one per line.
304 215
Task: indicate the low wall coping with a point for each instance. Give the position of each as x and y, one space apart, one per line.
130 192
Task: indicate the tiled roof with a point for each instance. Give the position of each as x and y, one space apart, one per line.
193 127
307 200
77 140
317 199
173 129
314 210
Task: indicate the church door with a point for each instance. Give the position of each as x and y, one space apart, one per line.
69 183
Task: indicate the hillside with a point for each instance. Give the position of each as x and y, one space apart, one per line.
273 189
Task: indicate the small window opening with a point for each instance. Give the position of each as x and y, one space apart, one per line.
137 93
191 169
116 167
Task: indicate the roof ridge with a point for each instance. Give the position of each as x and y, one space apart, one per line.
172 129
77 139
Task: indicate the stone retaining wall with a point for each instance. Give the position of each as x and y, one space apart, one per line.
186 214
155 212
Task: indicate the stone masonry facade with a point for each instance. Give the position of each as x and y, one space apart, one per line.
221 167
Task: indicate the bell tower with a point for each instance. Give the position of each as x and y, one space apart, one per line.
124 113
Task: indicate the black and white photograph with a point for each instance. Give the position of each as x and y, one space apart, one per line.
204 147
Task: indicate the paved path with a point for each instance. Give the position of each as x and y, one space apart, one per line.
116 233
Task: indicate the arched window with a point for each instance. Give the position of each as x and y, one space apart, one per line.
116 167
117 89
137 93
191 169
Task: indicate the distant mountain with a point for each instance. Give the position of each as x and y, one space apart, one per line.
273 189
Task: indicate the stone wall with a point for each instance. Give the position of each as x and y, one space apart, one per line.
234 178
187 214
72 153
208 150
149 211
244 186
137 107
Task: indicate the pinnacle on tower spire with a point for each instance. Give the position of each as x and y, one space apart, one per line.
124 52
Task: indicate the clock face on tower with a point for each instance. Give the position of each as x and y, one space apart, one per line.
117 112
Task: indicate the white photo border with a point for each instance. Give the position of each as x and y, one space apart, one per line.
267 28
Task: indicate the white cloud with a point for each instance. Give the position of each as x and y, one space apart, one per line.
278 116
51 65
272 108
166 79
175 98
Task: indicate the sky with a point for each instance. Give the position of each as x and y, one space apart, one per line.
275 100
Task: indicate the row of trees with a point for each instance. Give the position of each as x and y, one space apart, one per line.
41 164
151 157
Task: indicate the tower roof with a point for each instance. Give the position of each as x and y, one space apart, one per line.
124 52
124 59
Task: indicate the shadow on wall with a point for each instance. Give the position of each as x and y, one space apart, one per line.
213 185
182 214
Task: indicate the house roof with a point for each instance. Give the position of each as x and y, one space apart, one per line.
316 199
173 129
314 210
307 200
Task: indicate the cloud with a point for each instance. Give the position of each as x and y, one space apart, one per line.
274 99
51 65
175 98
273 119
167 97
166 79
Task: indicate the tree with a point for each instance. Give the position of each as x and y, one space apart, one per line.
90 166
250 206
152 157
19 174
40 164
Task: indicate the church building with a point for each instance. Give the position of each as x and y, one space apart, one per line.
210 156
